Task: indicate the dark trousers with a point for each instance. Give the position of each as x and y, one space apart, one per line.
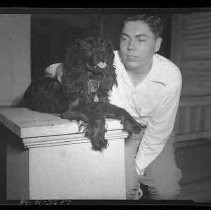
162 176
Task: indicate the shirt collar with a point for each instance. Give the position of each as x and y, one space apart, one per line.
154 75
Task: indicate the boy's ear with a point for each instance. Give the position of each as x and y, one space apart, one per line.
158 42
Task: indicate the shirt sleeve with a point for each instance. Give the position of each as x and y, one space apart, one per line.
159 128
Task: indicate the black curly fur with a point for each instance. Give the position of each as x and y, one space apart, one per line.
80 55
45 95
81 74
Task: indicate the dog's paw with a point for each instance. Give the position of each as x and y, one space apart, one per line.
99 143
97 136
98 140
132 126
136 128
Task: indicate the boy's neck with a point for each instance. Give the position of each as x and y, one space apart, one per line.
138 75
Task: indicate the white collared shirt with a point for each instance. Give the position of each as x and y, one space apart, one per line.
54 71
154 102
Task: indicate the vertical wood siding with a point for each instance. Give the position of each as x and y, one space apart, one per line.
191 50
193 119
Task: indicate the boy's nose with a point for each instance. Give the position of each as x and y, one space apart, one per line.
131 45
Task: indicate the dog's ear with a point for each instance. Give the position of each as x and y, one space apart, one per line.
109 80
110 77
110 51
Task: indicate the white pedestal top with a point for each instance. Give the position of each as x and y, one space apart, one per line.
34 127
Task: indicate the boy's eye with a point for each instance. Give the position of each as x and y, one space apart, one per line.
123 38
141 40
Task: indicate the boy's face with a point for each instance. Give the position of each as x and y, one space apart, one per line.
137 45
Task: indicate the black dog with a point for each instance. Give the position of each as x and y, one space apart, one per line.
88 76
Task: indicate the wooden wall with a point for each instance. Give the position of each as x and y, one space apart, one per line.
191 51
193 119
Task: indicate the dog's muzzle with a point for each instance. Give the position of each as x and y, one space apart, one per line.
98 67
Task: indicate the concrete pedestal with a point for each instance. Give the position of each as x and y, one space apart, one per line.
48 158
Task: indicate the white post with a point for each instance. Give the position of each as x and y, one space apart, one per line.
61 163
15 57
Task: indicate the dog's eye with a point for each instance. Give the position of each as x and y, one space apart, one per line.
90 67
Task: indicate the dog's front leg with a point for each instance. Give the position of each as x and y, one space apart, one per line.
95 126
73 115
96 133
111 111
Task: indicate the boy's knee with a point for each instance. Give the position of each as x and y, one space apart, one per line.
165 192
165 185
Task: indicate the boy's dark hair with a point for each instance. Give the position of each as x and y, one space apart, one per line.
45 95
154 22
